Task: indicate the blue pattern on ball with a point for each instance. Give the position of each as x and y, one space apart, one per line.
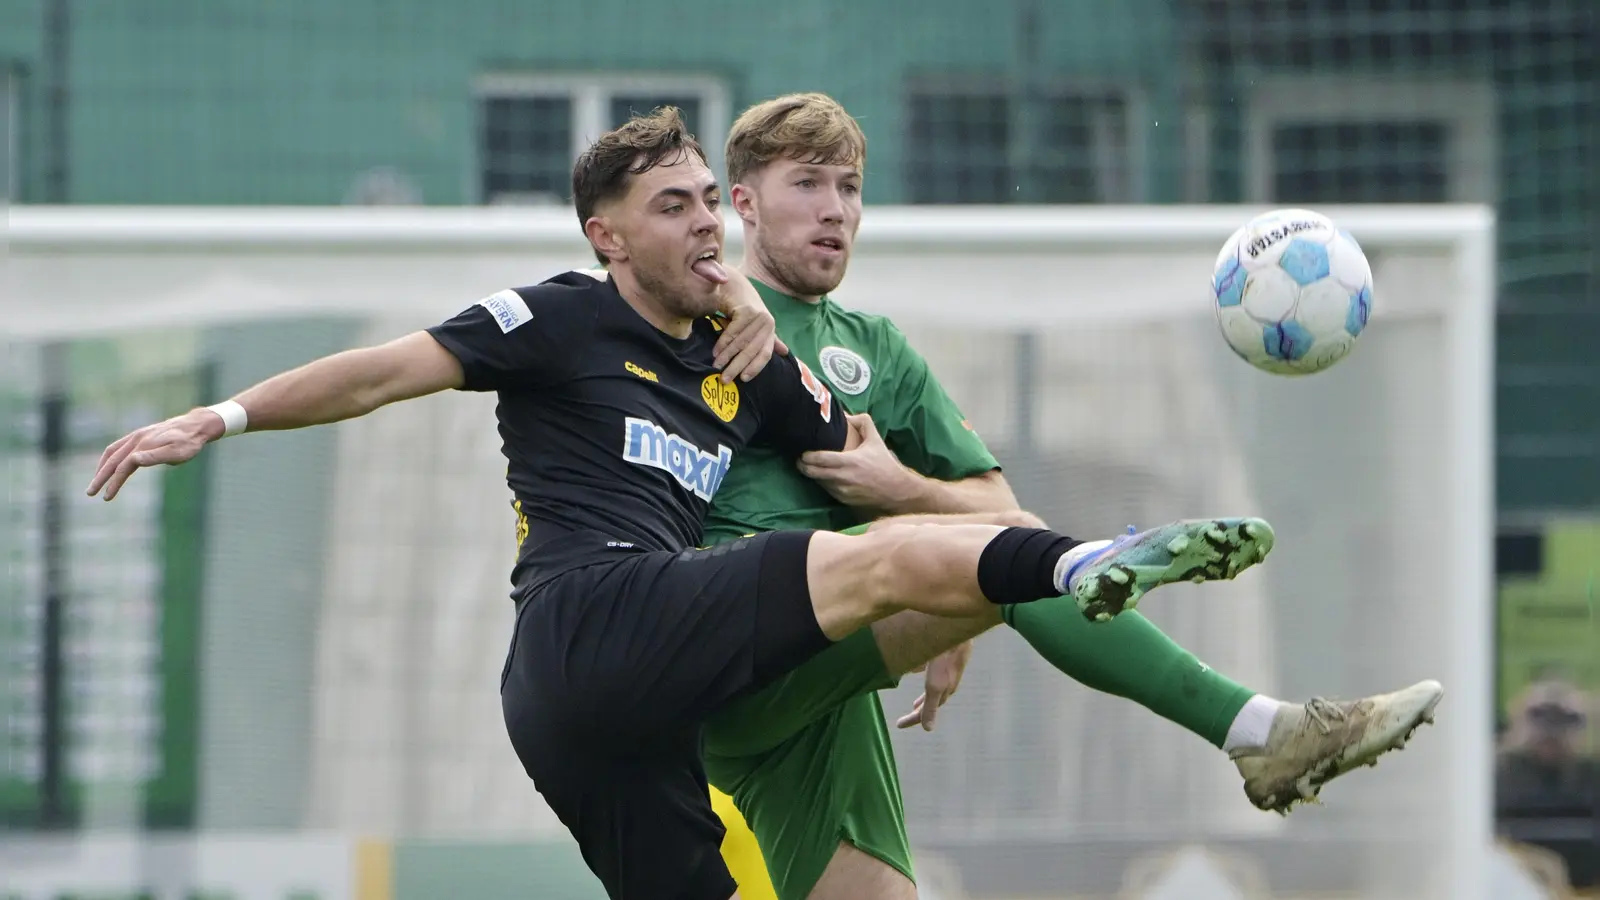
1305 261
1229 282
1360 310
1286 340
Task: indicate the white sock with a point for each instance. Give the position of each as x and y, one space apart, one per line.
1064 564
1252 725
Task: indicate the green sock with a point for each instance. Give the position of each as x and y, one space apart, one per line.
1130 657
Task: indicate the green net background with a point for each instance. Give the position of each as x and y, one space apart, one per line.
315 102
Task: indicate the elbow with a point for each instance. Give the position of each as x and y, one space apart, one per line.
376 381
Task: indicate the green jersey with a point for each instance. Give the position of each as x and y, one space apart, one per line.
870 367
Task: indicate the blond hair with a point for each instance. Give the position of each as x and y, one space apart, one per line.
810 128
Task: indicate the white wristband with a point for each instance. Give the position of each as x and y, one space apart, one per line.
233 416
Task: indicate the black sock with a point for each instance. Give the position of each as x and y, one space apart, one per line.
1019 565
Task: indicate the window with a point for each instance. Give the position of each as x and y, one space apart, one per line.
532 127
1343 140
973 143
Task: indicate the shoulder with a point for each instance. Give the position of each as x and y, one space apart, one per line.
570 296
571 286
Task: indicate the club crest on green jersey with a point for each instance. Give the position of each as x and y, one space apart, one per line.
846 369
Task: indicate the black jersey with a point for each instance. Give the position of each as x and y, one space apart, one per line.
616 434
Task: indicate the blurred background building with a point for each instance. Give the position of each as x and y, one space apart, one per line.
486 102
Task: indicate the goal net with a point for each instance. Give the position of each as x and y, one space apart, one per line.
303 632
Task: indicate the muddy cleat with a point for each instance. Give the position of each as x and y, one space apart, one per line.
1111 580
1313 744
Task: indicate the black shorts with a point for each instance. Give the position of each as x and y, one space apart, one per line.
611 672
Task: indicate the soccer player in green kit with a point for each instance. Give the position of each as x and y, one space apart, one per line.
808 760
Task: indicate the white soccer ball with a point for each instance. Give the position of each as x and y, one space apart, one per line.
1292 292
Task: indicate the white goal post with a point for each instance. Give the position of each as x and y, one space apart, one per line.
1080 341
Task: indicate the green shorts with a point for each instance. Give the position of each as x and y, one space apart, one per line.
809 763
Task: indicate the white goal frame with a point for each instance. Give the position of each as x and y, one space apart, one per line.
443 259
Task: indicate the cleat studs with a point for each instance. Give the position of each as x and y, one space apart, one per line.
1118 576
1178 544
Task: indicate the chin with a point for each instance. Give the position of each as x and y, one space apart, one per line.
702 299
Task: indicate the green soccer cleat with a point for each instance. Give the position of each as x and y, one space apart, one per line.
1111 580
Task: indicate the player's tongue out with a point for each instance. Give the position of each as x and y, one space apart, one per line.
711 270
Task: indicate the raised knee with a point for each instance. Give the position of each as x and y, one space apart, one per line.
897 554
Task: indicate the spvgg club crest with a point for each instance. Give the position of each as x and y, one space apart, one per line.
722 398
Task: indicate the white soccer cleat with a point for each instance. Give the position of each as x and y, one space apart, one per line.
1313 744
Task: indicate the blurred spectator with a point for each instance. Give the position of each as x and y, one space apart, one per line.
1547 780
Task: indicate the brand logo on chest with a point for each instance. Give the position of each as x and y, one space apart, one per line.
647 444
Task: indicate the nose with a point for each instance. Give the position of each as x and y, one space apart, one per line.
832 208
708 220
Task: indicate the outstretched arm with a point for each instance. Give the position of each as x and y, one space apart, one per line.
338 387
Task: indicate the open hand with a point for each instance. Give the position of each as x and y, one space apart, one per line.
939 684
170 443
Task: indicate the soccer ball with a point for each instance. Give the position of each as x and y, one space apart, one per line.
1292 292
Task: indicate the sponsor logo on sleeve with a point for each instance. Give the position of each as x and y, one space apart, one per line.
508 309
817 390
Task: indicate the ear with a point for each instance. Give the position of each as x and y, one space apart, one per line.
744 202
601 233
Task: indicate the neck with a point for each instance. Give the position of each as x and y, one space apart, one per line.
649 306
755 268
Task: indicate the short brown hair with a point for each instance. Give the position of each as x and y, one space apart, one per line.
643 142
810 128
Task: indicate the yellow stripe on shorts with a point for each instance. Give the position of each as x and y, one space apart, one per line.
741 853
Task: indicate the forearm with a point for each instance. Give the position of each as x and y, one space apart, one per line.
350 384
979 494
1010 518
328 390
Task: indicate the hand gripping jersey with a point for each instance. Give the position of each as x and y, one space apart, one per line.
872 369
616 434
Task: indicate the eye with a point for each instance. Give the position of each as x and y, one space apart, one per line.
714 202
852 188
674 208
806 183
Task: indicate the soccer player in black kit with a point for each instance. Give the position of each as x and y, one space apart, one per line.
618 427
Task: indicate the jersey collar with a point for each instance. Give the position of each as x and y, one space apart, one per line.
776 298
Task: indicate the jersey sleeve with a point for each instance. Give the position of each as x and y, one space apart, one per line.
797 411
519 338
920 422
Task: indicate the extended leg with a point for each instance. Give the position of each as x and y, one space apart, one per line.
1285 752
960 570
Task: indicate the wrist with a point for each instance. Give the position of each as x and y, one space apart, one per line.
914 495
222 420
